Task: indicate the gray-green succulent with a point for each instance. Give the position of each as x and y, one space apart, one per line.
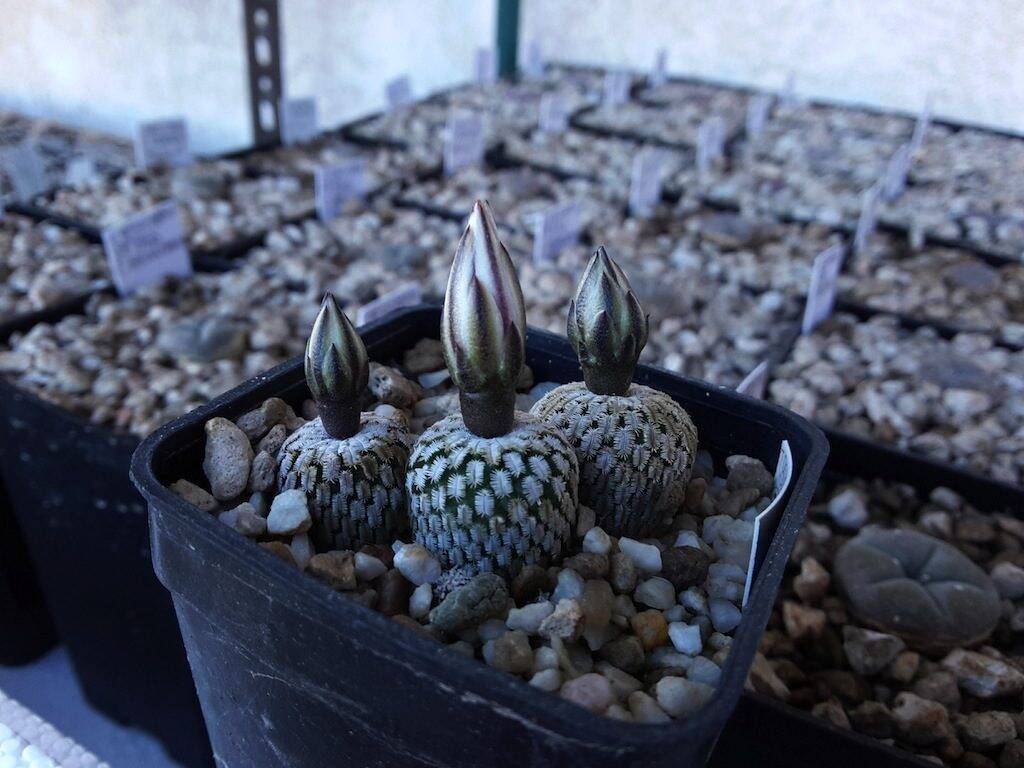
635 445
351 465
491 488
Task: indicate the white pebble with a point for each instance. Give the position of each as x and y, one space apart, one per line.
646 557
491 629
680 697
549 680
666 656
417 564
686 638
529 617
675 613
570 586
289 514
1009 580
597 541
545 657
688 539
704 670
657 593
302 550
693 600
724 615
368 567
645 709
420 600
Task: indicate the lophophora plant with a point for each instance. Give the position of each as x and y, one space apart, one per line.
635 445
491 488
351 464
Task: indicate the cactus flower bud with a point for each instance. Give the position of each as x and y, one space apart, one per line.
483 326
607 326
337 369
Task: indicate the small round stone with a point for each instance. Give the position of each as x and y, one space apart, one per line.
289 514
686 638
591 691
657 593
529 617
596 541
646 557
651 627
416 564
368 567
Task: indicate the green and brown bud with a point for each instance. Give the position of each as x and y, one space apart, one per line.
337 369
607 326
483 326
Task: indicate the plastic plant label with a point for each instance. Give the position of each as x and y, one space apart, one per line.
710 143
533 62
867 221
659 75
463 141
645 182
894 180
162 142
767 522
337 184
298 120
26 171
553 116
146 247
755 381
404 296
616 88
758 109
557 229
486 66
821 295
398 92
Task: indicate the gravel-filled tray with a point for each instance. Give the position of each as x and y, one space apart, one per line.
955 400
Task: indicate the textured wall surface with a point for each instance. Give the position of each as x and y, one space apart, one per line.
109 63
888 53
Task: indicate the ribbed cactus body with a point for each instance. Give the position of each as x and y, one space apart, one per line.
493 504
356 486
635 452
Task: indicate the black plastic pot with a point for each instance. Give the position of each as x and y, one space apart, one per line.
292 673
783 736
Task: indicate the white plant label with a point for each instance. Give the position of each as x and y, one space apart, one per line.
486 66
868 219
616 88
755 381
463 141
710 143
533 63
403 296
557 228
25 170
553 114
758 109
162 142
146 247
337 184
645 182
298 120
767 522
659 75
821 294
398 92
894 180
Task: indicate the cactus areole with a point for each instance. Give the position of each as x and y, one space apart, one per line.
607 326
483 327
337 370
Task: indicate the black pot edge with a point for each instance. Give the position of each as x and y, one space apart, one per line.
717 710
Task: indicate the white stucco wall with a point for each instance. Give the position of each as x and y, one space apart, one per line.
882 52
107 64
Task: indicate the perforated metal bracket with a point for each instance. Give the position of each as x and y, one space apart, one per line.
263 48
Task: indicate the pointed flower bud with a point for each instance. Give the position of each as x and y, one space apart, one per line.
607 326
483 326
337 369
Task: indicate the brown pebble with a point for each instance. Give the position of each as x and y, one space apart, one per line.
394 591
336 569
833 712
904 667
1012 755
529 583
695 492
685 567
651 627
589 565
874 719
411 623
622 574
282 550
626 653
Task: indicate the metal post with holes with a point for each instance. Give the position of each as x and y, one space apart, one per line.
263 49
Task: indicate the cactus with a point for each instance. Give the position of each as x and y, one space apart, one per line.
635 445
351 465
491 488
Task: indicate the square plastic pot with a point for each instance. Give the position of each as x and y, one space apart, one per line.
292 673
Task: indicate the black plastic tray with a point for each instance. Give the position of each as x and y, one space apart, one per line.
291 673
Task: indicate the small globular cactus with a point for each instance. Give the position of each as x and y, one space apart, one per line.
351 465
492 488
635 445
